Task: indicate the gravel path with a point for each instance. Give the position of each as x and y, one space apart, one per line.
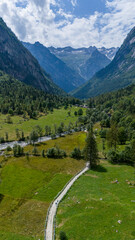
52 212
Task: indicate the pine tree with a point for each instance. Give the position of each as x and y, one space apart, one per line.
112 136
43 153
6 136
91 151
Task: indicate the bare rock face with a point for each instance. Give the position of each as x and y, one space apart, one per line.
18 62
84 61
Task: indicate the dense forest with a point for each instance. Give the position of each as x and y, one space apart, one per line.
16 98
117 106
116 113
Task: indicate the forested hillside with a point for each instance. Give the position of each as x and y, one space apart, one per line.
118 106
18 98
18 62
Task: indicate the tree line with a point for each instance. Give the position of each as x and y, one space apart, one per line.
115 112
16 98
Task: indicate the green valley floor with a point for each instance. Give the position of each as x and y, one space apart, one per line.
29 185
98 207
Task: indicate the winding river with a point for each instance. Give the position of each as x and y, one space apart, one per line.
22 143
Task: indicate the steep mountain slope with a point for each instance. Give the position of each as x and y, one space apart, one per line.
18 62
74 58
96 62
79 60
62 75
108 52
18 98
118 74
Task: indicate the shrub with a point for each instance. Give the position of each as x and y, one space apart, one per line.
102 133
76 129
113 156
80 112
60 130
53 136
43 153
27 156
55 152
9 120
35 151
9 149
33 136
76 153
2 140
122 135
18 151
63 236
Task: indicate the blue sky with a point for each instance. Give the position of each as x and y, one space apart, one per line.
76 23
84 8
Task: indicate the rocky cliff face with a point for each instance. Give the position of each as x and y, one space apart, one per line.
65 77
96 62
83 60
109 52
118 74
18 62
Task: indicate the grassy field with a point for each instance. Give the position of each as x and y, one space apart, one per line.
92 208
28 187
58 116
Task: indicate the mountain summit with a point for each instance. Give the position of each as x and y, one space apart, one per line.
96 62
82 60
118 74
18 62
65 77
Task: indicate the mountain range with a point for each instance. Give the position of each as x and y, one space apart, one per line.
18 62
118 74
108 52
83 60
69 67
65 77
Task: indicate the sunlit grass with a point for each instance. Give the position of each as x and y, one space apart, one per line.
95 204
29 185
58 116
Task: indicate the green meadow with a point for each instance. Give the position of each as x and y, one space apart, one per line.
28 187
26 125
90 210
98 208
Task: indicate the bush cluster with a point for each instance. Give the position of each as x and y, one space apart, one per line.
126 156
56 152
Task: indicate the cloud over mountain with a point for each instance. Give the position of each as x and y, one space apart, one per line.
52 22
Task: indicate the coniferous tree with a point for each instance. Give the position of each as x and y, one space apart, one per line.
27 156
112 136
6 136
43 153
90 150
55 129
35 151
17 134
33 136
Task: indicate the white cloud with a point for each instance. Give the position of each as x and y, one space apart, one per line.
64 14
37 21
74 3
